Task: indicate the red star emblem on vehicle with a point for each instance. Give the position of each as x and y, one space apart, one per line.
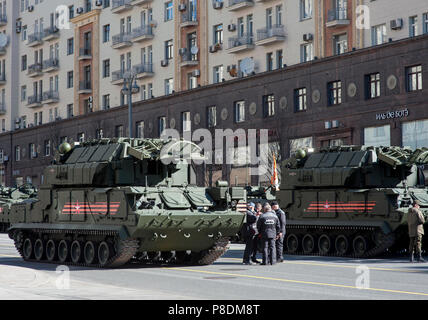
326 204
77 207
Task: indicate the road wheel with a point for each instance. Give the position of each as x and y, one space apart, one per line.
342 245
292 243
51 250
89 252
39 249
324 244
359 245
76 251
104 253
63 251
308 243
27 249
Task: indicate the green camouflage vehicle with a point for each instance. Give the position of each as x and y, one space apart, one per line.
107 201
349 200
9 196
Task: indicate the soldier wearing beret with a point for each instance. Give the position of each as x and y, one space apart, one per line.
415 221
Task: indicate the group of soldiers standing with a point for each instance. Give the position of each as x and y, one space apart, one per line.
265 226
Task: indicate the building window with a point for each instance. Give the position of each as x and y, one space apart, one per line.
269 105
106 3
70 46
334 92
425 22
33 151
169 86
169 11
70 112
118 131
99 133
106 101
70 79
218 34
305 9
378 34
414 78
306 52
300 99
139 126
413 26
161 125
47 148
239 111
377 136
218 74
71 12
81 137
23 93
106 68
372 85
192 81
340 44
169 49
279 59
106 33
415 134
269 61
212 116
17 153
24 63
186 122
24 33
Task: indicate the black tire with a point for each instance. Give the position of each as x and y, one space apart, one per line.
341 245
76 251
63 251
27 249
104 253
292 243
359 244
89 252
39 249
51 251
324 244
308 243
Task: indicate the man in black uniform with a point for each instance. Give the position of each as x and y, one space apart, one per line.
280 241
269 230
249 230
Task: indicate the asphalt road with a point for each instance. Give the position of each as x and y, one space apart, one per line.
299 277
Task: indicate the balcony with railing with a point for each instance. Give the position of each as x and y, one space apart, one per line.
142 33
35 70
140 2
85 54
34 101
50 97
270 35
2 108
240 4
122 40
3 20
119 6
118 76
50 65
188 59
50 33
143 70
85 87
35 39
240 43
337 17
189 19
2 78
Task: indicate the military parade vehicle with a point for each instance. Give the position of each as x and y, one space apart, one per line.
107 201
9 196
351 200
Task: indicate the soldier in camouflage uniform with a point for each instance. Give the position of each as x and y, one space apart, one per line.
415 221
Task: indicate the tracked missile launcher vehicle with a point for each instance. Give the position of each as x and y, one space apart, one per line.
9 196
351 201
108 201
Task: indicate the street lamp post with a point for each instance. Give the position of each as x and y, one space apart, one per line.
129 88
